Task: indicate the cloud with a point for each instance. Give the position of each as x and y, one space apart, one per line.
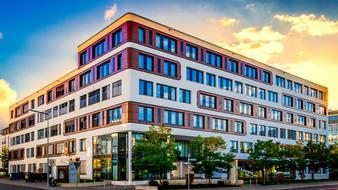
1 36
311 24
7 98
260 44
110 13
251 7
224 21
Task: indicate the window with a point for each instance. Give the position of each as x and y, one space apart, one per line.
141 35
322 124
300 104
307 136
54 130
266 77
262 93
300 136
298 87
55 111
165 43
49 96
60 91
184 96
194 75
83 145
31 120
103 70
251 90
99 48
220 124
207 101
72 85
273 96
114 115
83 101
246 109
165 92
32 105
145 88
239 127
262 130
83 58
30 152
96 119
246 147
85 79
234 146
94 97
145 114
70 126
191 52
173 118
315 138
238 87
224 83
60 148
233 66
213 59
261 112
105 92
292 134
117 88
289 84
170 69
273 132
250 71
289 117
145 62
301 120
83 123
310 107
253 129
71 105
210 79
63 108
288 100
198 121
322 110
117 37
280 81
313 92
320 95
276 115
119 62
282 134
228 105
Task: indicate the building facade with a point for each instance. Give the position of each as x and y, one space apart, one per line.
333 127
135 73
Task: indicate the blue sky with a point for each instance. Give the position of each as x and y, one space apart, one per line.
38 39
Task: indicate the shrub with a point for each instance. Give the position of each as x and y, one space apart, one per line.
153 183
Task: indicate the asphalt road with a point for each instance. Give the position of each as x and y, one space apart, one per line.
323 187
15 187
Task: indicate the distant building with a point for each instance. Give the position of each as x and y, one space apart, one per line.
333 127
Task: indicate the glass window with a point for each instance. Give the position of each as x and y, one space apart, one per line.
165 92
288 100
310 107
289 84
96 118
106 92
253 129
117 88
141 35
173 118
194 75
280 81
185 96
94 97
71 85
170 69
72 105
83 101
289 117
99 48
239 127
145 88
210 79
234 146
262 93
83 145
282 134
213 59
262 112
198 121
266 77
220 124
298 87
114 115
145 62
300 104
273 132
276 115
233 66
224 83
238 87
228 105
207 101
262 130
273 96
117 37
83 123
85 79
246 147
145 114
301 120
103 70
250 71
251 90
83 58
191 51
166 43
246 109
292 134
70 126
63 108
60 91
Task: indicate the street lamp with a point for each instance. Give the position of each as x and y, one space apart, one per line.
47 116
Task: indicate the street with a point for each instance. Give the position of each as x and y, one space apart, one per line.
15 187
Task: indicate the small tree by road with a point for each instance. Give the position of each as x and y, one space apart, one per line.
4 158
209 155
316 156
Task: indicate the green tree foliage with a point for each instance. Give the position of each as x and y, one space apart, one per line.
209 155
156 152
316 156
4 158
333 160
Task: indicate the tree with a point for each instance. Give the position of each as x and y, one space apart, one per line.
316 156
291 157
333 161
265 155
155 152
4 158
209 155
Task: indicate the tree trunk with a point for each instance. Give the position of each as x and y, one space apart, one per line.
209 180
313 175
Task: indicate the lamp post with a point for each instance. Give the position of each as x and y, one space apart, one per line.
47 116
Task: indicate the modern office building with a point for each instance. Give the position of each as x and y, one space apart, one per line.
135 73
333 127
